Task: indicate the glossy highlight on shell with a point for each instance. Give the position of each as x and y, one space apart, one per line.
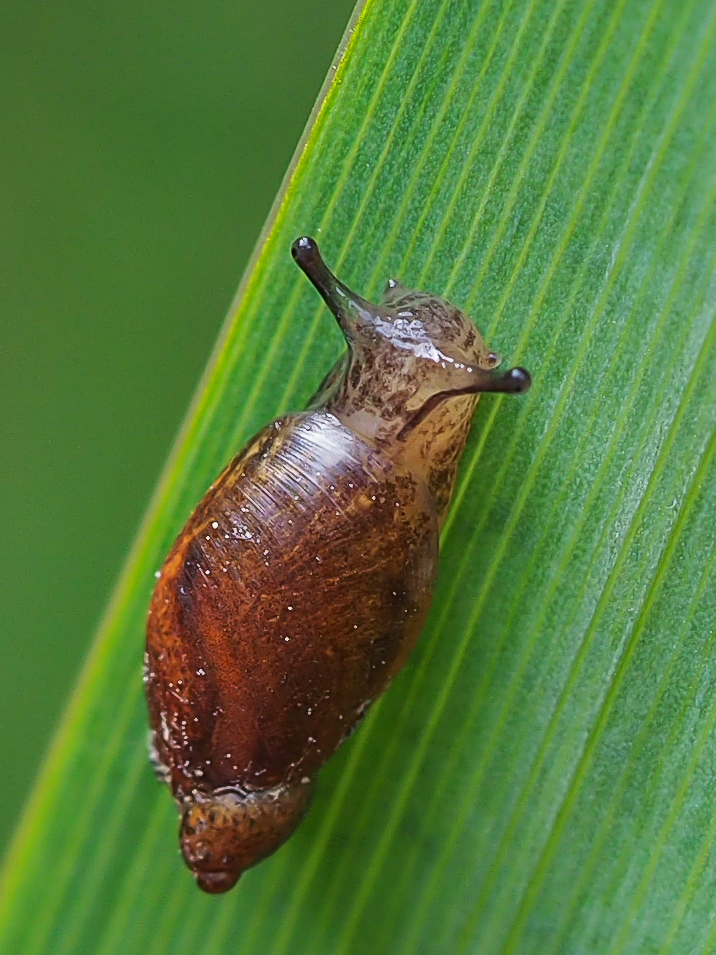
301 581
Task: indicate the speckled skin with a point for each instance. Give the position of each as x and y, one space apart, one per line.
301 581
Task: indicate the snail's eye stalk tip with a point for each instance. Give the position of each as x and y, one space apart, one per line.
309 260
520 379
514 381
305 251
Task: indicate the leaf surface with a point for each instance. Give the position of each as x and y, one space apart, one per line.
540 776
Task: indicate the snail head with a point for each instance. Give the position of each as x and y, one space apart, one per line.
406 354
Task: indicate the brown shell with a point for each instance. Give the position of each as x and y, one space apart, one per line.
290 599
301 581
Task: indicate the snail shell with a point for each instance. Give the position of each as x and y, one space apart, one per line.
301 581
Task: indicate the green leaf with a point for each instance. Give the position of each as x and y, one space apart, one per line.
540 776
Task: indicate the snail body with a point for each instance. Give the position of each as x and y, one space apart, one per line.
301 581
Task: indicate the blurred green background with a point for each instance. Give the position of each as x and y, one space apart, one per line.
142 146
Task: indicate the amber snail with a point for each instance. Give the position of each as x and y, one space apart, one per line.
301 581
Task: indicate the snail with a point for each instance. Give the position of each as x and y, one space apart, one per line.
302 579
